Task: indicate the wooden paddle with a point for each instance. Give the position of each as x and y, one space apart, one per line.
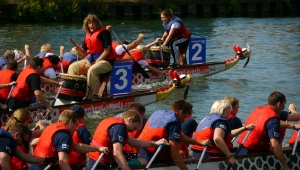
201 158
136 64
82 68
239 148
98 160
153 157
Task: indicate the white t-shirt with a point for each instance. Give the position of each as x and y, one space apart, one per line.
176 25
50 73
143 63
120 50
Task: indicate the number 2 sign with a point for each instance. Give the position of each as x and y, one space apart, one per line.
120 78
197 50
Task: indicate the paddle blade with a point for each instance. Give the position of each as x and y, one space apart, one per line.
141 70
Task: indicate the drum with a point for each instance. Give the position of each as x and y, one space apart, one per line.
74 88
153 57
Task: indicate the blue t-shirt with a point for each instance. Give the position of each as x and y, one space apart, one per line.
235 123
273 127
173 130
189 126
221 124
84 135
283 115
62 141
117 133
8 146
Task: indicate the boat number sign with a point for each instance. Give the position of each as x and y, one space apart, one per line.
121 77
197 50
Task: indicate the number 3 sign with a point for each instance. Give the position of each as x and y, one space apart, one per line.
120 78
197 50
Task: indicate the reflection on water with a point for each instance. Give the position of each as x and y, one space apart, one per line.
274 64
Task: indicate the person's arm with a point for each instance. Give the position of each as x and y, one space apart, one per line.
104 54
40 97
136 42
83 148
61 52
188 140
4 161
236 132
63 161
28 157
119 156
155 70
7 85
163 38
174 147
275 147
152 43
218 139
45 80
144 144
171 33
293 116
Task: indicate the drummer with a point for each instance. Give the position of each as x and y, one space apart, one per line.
29 86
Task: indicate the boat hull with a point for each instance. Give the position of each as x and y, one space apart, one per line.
259 161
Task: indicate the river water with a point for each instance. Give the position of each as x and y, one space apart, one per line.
274 64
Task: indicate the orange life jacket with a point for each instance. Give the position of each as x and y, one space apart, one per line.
47 64
101 138
137 55
65 65
21 90
45 146
129 149
75 158
206 132
258 139
155 129
95 46
5 77
294 136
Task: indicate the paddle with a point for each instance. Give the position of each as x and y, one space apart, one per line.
136 64
98 160
161 55
153 157
49 166
9 94
25 63
239 148
295 145
47 117
201 157
186 92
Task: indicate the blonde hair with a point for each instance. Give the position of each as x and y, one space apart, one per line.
46 48
142 49
68 115
9 54
136 117
19 116
94 19
221 107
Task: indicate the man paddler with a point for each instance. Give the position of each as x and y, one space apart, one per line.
56 142
28 86
112 132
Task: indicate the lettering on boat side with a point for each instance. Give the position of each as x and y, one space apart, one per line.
202 69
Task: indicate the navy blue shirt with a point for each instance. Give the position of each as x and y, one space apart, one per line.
221 124
62 141
273 126
189 126
117 133
235 123
173 130
8 146
84 135
283 115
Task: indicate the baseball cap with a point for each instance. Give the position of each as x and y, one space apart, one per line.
78 110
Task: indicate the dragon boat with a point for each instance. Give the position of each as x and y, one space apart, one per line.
263 161
109 103
161 60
